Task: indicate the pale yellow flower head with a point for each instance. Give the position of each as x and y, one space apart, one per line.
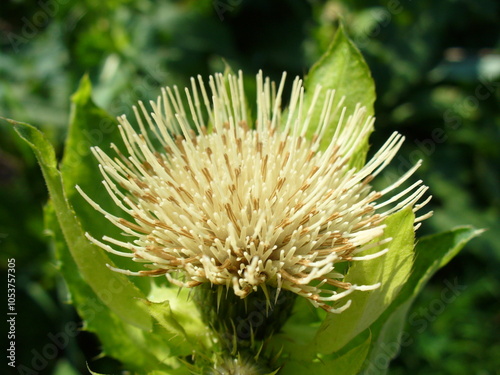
249 205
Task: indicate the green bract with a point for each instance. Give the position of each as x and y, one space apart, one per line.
152 328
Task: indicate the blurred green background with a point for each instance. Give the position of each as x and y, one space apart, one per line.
436 65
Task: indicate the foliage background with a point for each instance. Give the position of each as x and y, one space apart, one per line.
437 70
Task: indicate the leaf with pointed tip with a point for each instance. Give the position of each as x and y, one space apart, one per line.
137 349
391 270
90 126
304 337
342 68
90 260
432 253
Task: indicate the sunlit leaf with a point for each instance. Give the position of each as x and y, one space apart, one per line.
391 270
137 349
90 126
432 253
90 260
343 69
348 363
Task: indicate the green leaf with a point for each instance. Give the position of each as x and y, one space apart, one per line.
435 251
343 69
91 126
38 143
348 363
391 270
90 260
137 349
432 253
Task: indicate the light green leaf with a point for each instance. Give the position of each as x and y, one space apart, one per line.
432 253
38 143
348 363
343 69
391 270
137 349
180 342
90 260
91 126
177 302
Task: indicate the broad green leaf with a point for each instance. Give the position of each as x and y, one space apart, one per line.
391 270
348 363
343 69
303 337
91 126
90 260
137 349
435 251
432 253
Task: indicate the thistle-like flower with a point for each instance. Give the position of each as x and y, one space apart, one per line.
211 197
